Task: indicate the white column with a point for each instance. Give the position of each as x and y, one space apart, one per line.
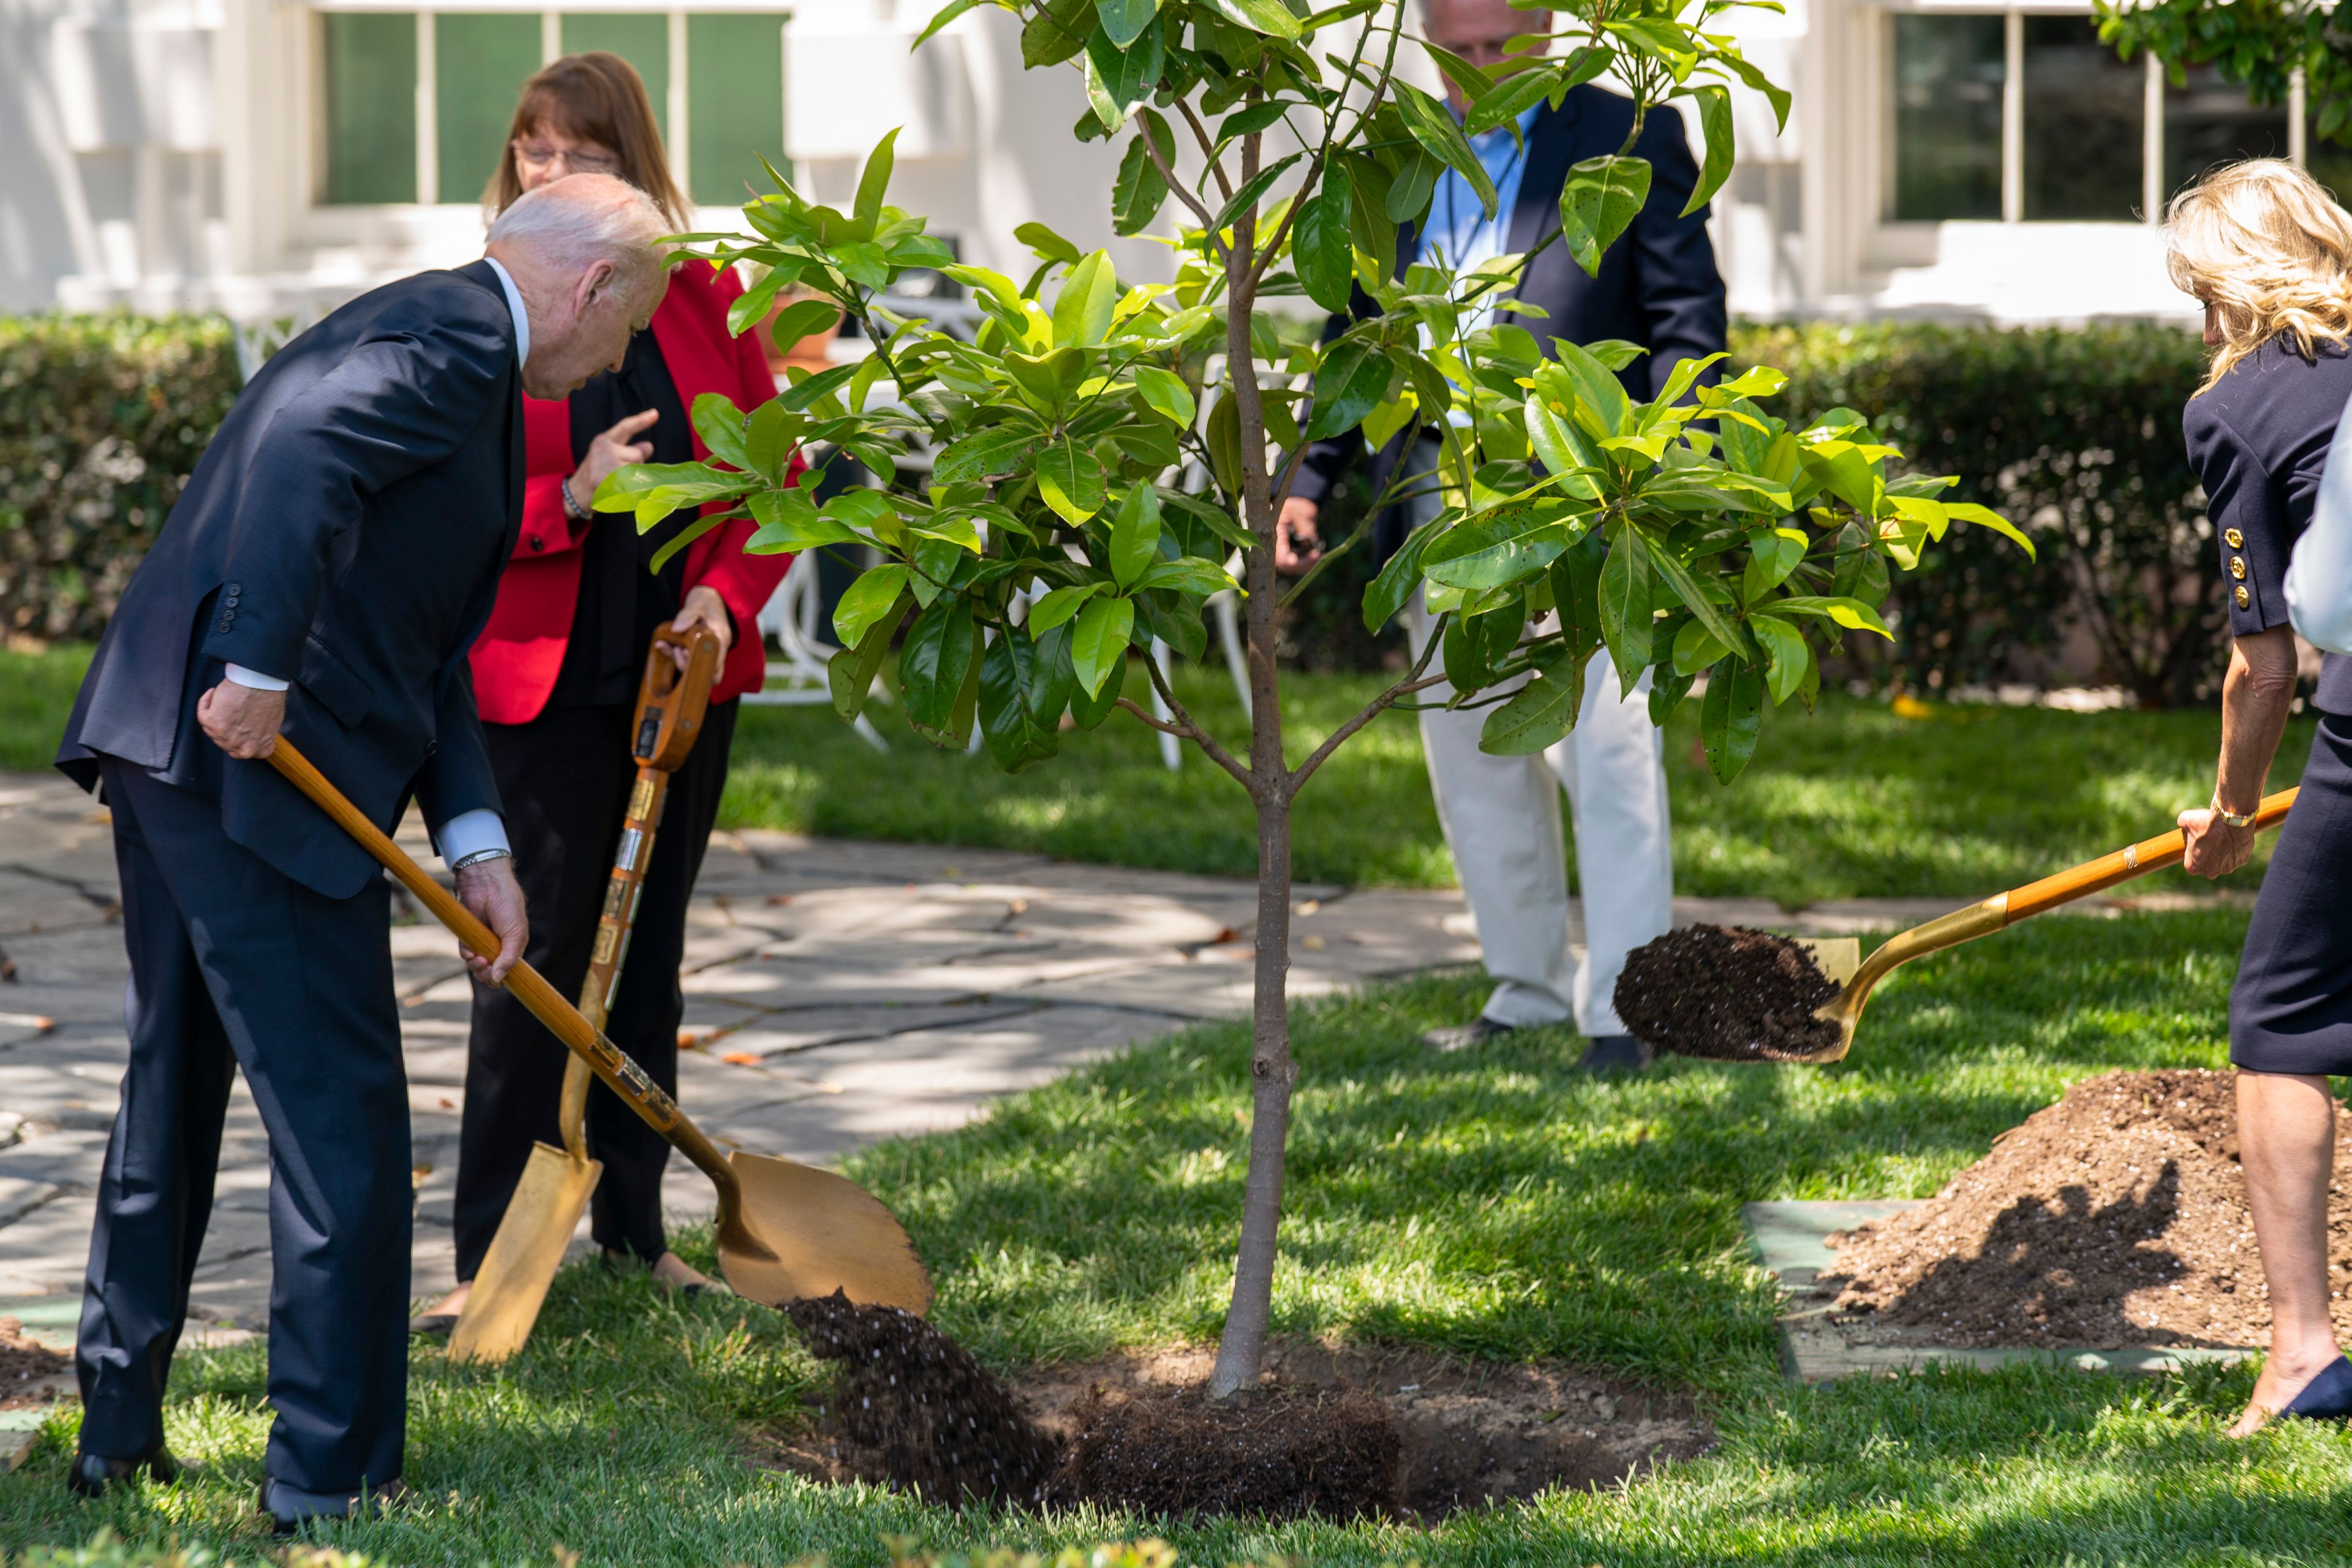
2013 118
2151 142
551 37
428 126
681 151
2296 109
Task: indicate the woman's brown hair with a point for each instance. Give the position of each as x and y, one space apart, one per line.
600 98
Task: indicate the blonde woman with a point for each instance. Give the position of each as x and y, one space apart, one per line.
2270 257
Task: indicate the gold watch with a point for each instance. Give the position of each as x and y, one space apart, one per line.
2234 818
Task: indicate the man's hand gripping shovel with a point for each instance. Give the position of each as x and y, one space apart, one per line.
785 1231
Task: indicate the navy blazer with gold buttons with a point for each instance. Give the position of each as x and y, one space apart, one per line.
344 531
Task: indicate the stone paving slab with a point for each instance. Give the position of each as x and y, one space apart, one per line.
1789 1237
837 994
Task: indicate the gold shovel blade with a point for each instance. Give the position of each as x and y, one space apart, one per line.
1837 957
805 1232
524 1255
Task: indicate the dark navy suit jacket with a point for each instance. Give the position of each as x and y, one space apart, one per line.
344 531
1658 285
2259 439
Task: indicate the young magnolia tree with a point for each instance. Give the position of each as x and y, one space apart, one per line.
1695 535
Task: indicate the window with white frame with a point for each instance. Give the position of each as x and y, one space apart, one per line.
413 105
2027 116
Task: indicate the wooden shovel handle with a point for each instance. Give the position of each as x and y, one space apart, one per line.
2153 855
530 987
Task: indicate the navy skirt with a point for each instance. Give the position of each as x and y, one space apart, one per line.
2291 1010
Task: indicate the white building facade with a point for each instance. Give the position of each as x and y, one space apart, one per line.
272 157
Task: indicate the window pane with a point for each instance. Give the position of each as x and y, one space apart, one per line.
2084 110
480 60
2208 122
1948 81
640 38
735 102
370 106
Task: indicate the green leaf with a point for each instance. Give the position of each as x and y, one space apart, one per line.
1776 95
1507 546
1985 517
1352 380
1119 77
790 520
849 673
1187 574
1015 732
1141 191
1270 17
1714 119
720 425
1625 607
1576 594
1224 436
1431 124
1667 690
946 14
1252 189
1322 250
1046 243
1123 21
1730 717
1210 515
1773 555
1693 596
1135 536
1167 396
1056 33
1098 641
987 454
1252 117
1060 604
1153 445
1542 714
1082 311
681 539
1791 656
1695 649
1398 579
654 490
873 182
1505 101
1070 479
768 439
934 660
1602 197
866 601
1408 194
806 389
752 305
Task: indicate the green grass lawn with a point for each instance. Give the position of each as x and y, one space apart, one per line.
1851 801
36 693
1501 1205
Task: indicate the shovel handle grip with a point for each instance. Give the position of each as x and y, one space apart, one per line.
624 1076
2151 855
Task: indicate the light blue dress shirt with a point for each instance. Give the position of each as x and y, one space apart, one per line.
1458 233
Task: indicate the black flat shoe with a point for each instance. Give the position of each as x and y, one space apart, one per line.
1616 1053
433 1326
288 1507
92 1473
2327 1397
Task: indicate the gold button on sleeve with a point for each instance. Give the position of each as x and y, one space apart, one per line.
2244 598
2237 567
2233 539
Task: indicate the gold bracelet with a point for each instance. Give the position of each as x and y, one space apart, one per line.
2234 818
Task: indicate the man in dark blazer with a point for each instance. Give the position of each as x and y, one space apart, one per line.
323 575
1657 286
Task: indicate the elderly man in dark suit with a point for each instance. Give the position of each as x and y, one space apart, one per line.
323 575
1658 287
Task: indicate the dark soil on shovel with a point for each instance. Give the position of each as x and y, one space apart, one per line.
2116 1218
1336 1434
1725 993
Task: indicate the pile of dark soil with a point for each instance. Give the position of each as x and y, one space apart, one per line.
30 1371
1336 1433
2116 1216
1726 993
911 1407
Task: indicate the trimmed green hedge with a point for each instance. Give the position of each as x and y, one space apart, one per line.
2072 433
2075 434
102 421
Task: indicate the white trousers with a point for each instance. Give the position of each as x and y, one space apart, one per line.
1501 816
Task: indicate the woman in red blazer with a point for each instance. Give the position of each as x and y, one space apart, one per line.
556 673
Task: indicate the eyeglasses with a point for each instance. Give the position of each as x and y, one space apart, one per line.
538 155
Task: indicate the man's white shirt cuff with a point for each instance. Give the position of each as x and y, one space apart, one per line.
255 679
470 833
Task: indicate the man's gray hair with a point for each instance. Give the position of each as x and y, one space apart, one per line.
573 223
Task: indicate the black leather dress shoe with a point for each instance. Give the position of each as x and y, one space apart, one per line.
1618 1053
1464 1036
92 1473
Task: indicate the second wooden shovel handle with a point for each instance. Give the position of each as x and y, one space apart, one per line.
2139 860
530 987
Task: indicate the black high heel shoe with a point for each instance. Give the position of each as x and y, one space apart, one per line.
92 1473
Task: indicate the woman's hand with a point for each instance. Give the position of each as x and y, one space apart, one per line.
2215 848
704 607
615 449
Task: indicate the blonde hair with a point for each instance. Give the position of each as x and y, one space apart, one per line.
2261 241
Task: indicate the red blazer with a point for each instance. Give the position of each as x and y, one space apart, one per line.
520 650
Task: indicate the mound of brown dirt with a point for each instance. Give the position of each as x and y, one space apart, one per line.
31 1372
2116 1216
1134 1430
1726 993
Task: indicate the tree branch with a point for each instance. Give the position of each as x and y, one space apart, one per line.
1415 681
1208 148
1184 193
1189 727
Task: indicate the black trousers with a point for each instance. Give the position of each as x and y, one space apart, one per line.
232 965
2291 1009
564 780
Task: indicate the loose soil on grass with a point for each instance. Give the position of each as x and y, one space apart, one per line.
1336 1433
31 1373
1726 993
2116 1218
